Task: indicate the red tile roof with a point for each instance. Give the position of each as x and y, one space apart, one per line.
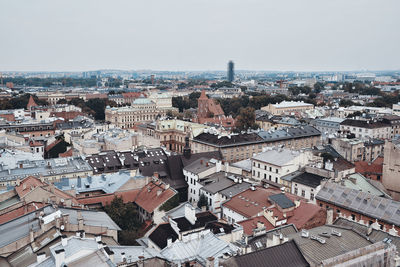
20 211
148 199
250 203
133 94
25 186
306 216
375 167
67 153
94 96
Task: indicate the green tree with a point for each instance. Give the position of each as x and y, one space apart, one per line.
62 101
246 120
202 201
171 203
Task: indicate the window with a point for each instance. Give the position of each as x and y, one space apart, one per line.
303 193
265 176
311 196
276 170
258 165
353 217
276 179
296 191
338 211
270 169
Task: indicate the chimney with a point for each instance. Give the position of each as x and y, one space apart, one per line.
218 166
210 262
329 216
31 235
201 163
18 182
59 257
226 167
123 257
166 186
64 240
97 238
206 163
190 214
156 175
169 241
40 257
260 225
99 245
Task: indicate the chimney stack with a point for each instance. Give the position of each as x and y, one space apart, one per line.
40 257
64 240
59 257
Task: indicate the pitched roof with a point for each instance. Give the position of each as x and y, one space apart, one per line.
364 124
308 179
232 140
31 103
202 218
368 204
161 234
277 157
288 254
315 252
153 195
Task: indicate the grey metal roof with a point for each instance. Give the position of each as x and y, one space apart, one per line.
315 252
108 183
19 227
375 235
243 164
199 166
282 201
287 254
198 249
132 253
235 189
370 205
216 182
47 167
277 157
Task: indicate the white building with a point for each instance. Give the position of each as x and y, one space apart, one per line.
367 129
274 163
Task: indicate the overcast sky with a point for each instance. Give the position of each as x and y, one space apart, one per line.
76 35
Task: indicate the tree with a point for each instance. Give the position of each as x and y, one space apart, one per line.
62 101
202 201
126 216
246 119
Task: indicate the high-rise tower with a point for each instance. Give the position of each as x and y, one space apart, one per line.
231 73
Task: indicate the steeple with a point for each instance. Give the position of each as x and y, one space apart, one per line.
31 103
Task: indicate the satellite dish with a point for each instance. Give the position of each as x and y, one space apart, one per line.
62 227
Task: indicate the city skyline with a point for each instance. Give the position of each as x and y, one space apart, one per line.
199 36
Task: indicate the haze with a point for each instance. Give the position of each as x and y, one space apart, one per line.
76 35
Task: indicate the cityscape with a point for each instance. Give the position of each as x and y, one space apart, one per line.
146 154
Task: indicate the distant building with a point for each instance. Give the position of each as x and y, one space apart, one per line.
288 107
210 112
367 129
231 73
391 169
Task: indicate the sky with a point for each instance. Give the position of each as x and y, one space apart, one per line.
282 35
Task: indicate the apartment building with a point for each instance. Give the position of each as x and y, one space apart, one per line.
367 128
237 147
274 163
356 149
172 133
391 168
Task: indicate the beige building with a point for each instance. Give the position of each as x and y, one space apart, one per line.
172 133
237 147
357 149
391 169
288 107
396 109
143 110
